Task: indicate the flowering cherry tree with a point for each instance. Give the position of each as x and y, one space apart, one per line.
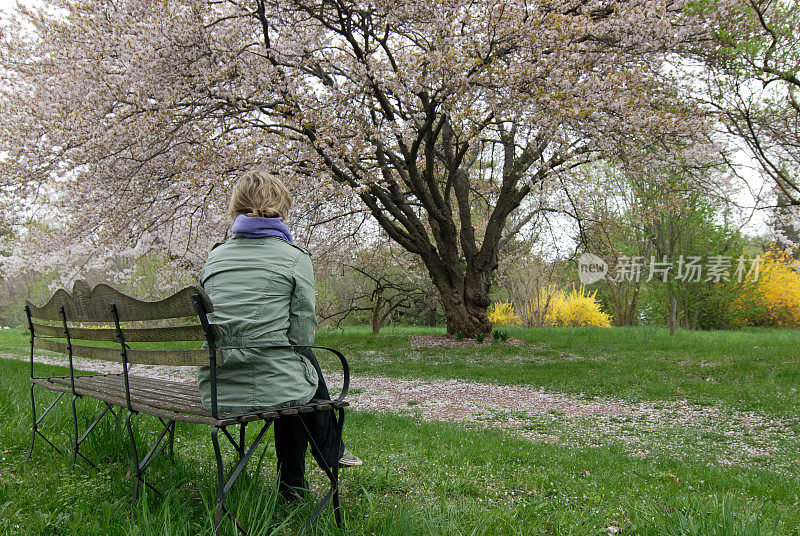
440 118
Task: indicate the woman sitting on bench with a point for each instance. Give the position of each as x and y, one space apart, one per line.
262 287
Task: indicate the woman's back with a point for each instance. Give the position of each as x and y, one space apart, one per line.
263 294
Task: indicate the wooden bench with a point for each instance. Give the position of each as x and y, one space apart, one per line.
104 324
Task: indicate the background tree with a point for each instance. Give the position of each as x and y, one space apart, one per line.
440 117
696 230
375 284
610 227
658 215
754 85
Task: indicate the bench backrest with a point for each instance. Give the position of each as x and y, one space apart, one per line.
109 319
103 323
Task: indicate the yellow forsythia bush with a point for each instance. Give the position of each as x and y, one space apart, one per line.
579 308
537 310
502 314
773 299
552 307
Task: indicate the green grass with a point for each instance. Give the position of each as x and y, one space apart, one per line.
14 341
441 479
419 478
748 370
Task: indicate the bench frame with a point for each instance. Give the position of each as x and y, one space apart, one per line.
104 304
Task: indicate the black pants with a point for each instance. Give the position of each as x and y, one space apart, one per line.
291 441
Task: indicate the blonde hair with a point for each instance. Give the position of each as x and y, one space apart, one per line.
259 193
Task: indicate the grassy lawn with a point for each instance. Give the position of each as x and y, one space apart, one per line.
438 478
749 370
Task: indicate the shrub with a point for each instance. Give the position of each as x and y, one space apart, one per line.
499 335
531 310
578 308
530 283
773 299
502 314
552 307
537 308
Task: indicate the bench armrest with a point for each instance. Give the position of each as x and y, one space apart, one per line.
342 360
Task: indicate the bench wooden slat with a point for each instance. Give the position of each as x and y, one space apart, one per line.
177 358
173 392
168 334
153 400
114 385
85 305
176 392
119 400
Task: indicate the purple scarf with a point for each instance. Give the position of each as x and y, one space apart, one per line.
258 227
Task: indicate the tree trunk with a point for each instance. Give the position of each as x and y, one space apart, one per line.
624 296
376 319
465 304
673 314
465 316
431 320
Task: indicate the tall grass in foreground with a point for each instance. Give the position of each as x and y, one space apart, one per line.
715 517
265 517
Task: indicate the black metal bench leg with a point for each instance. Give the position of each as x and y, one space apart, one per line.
223 485
220 481
238 445
333 475
79 441
140 467
135 457
33 425
241 439
172 442
153 452
75 433
37 419
337 514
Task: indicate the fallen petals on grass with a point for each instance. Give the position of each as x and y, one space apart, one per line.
675 428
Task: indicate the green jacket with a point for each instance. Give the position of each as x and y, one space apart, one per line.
262 290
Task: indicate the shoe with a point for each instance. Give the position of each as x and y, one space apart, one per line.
349 459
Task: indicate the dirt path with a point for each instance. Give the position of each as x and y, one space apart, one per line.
666 428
